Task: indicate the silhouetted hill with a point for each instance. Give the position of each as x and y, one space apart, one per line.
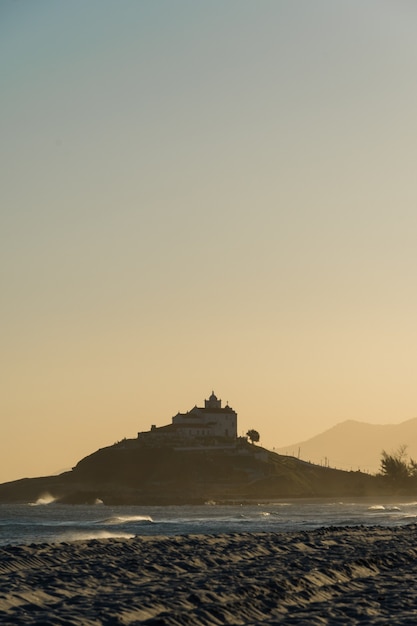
356 445
130 473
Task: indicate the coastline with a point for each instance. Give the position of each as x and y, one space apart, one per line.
343 575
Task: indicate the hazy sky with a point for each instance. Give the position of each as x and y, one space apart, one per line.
204 195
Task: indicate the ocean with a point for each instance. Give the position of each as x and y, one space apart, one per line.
46 521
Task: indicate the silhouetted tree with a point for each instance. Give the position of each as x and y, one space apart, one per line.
396 466
253 435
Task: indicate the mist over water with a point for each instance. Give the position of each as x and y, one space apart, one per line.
52 522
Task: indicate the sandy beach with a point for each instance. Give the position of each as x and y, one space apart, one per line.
355 575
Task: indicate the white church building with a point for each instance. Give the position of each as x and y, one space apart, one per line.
209 422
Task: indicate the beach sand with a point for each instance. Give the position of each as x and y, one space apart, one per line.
355 575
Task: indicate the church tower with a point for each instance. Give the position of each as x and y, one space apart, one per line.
212 402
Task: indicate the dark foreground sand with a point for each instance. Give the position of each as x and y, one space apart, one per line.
331 576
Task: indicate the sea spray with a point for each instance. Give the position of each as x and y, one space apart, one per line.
43 500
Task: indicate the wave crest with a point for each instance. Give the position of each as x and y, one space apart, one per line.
126 519
43 499
99 534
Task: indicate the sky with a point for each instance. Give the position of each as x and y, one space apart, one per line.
202 196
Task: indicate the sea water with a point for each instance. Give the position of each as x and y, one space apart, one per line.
50 522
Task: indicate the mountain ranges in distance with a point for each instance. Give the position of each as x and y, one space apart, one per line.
353 445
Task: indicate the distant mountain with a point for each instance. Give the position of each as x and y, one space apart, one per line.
356 445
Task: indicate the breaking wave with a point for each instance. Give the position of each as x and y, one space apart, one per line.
90 535
126 519
382 507
44 499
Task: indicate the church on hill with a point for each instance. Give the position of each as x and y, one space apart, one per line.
210 422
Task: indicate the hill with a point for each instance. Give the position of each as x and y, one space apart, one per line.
130 473
356 445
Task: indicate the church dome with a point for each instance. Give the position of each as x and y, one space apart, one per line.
213 402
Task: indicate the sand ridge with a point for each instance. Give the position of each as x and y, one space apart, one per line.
328 576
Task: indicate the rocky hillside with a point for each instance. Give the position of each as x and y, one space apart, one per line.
128 473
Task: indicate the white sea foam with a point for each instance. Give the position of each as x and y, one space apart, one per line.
381 507
88 536
44 499
125 519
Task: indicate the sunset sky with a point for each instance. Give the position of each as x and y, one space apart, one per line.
204 195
